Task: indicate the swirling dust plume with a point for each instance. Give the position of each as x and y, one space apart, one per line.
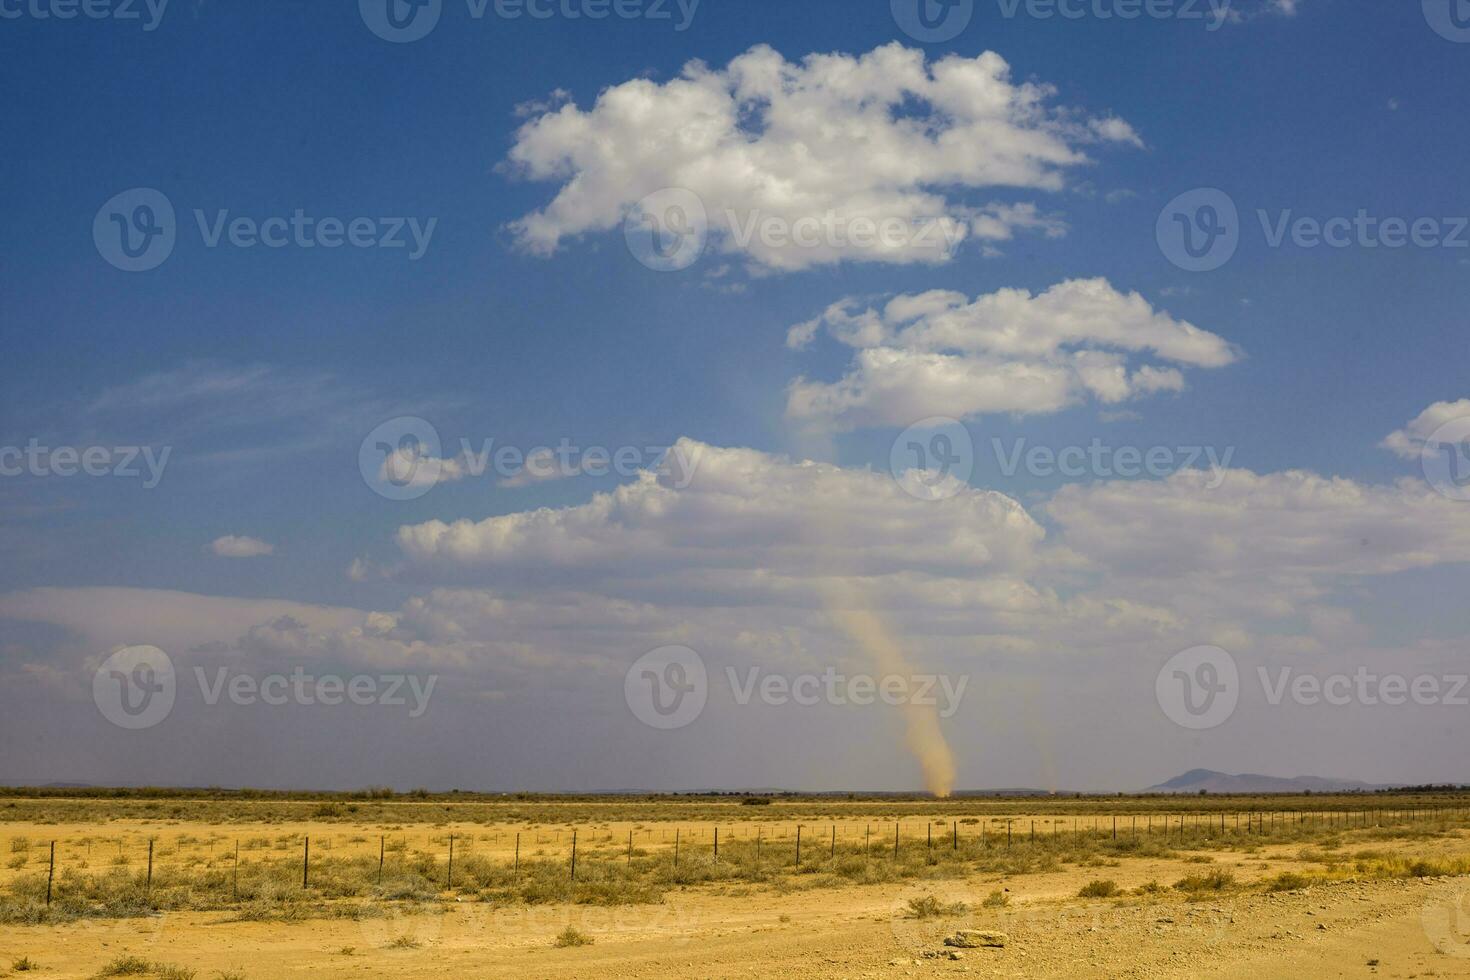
921 721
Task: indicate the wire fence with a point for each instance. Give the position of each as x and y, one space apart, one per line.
770 845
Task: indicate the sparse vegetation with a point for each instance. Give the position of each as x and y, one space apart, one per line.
997 899
572 936
930 907
106 877
1213 881
1099 889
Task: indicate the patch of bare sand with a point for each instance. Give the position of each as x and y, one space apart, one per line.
1411 928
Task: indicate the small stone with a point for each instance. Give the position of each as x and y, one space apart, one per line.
975 938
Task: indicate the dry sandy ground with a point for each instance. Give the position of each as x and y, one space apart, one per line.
1383 928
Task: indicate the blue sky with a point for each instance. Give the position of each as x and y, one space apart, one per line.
263 369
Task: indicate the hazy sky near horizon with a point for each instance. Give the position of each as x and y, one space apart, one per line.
249 250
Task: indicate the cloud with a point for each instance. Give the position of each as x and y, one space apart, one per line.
103 618
1244 11
1234 543
941 354
1409 441
1066 611
752 527
226 413
231 546
886 135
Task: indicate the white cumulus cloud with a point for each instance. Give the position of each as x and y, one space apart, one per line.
885 136
941 353
1409 441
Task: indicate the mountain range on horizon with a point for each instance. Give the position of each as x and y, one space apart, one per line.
1210 781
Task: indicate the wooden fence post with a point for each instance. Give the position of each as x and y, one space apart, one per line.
574 855
50 872
305 860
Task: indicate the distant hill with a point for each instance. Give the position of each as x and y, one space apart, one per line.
1223 782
